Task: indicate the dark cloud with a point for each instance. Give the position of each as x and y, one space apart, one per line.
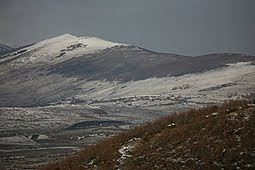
186 27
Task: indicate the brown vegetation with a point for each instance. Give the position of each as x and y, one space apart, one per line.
213 137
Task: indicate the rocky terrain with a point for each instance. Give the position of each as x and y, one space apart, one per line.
66 92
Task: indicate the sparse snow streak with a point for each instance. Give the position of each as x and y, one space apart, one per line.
64 47
125 151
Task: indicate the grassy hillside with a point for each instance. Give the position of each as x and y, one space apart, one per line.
214 137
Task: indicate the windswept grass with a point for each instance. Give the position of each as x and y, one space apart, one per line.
213 137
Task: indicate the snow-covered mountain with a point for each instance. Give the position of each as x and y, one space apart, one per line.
90 69
61 48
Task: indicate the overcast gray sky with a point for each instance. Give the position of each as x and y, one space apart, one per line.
190 27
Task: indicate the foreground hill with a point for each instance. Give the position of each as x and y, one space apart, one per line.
213 137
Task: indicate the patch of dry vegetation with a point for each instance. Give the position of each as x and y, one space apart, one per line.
213 137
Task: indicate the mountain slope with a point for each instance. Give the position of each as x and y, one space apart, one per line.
87 68
213 137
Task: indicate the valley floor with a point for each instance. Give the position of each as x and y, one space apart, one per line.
32 136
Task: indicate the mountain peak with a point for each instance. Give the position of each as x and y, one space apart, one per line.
63 37
66 46
85 39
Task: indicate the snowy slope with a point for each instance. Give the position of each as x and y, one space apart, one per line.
64 47
214 85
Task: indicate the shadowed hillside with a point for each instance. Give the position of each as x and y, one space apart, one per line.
126 63
213 137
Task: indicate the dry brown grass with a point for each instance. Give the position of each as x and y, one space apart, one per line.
198 139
